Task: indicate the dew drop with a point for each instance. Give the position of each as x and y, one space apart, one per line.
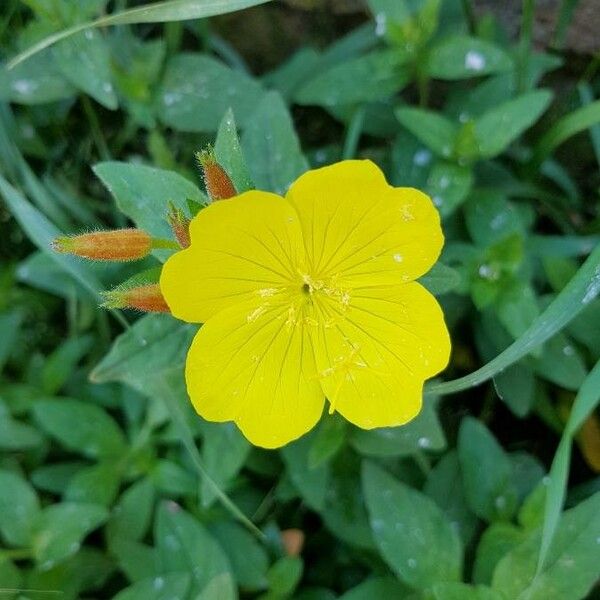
474 61
398 257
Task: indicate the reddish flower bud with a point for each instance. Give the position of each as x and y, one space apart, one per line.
147 298
180 225
217 182
293 541
118 245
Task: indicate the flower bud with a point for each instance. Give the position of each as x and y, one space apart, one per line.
146 298
180 225
117 245
217 182
293 541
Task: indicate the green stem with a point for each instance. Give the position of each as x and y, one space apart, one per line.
353 133
525 43
161 243
95 128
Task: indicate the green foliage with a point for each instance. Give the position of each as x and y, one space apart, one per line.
112 486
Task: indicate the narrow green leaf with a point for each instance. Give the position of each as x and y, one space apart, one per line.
572 567
576 121
169 10
585 403
580 291
229 153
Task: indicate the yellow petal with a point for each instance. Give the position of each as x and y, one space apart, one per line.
375 350
252 363
361 231
247 246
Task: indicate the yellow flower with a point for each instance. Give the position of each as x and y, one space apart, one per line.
308 297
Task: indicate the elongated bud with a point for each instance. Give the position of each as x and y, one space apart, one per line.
118 245
217 182
147 298
180 225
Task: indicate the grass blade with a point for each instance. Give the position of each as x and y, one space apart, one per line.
158 12
579 120
578 293
586 401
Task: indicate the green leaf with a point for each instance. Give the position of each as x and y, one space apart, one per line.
224 452
497 541
59 366
143 194
284 575
517 307
157 12
60 529
136 560
449 185
515 386
380 72
462 591
15 435
171 586
172 479
80 426
311 482
376 587
490 217
487 472
157 340
444 485
184 545
229 154
436 131
270 139
580 291
132 514
572 566
37 82
424 432
55 477
441 279
500 126
561 363
461 57
196 88
411 532
249 560
97 484
84 60
19 507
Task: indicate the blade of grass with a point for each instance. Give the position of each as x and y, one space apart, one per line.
187 439
579 120
353 133
565 14
158 12
585 402
577 294
587 97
